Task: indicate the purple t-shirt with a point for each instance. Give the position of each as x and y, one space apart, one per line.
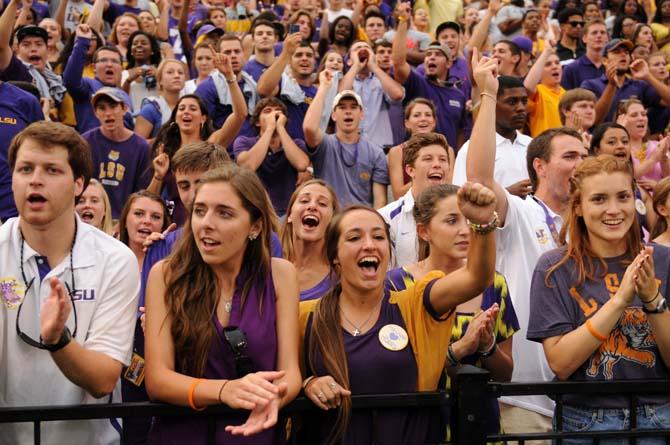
276 172
638 88
18 109
121 167
350 169
296 113
452 116
255 69
630 351
458 75
578 71
319 290
373 369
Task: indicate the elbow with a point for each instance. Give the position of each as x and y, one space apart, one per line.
302 164
103 388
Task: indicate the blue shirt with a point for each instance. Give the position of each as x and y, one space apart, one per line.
255 69
449 101
578 71
350 169
642 90
376 125
18 109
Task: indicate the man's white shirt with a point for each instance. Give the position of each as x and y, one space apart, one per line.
404 241
519 244
106 276
510 163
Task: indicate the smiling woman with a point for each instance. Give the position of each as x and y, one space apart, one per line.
611 286
362 338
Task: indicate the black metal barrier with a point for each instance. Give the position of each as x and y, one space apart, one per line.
471 387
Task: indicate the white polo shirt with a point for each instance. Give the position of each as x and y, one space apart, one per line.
519 244
107 280
510 163
404 241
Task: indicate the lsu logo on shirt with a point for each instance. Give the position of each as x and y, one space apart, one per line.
11 292
83 295
541 236
8 120
112 172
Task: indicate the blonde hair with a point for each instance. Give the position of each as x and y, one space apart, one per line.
107 223
161 68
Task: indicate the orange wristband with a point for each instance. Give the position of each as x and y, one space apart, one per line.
191 390
597 335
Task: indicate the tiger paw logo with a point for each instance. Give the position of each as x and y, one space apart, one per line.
11 292
630 341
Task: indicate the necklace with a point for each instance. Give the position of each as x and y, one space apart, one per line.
355 154
228 306
357 329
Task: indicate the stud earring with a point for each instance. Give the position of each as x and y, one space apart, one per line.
252 236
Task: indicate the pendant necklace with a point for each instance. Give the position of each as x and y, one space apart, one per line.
357 329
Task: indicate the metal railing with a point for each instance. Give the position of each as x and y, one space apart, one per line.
471 389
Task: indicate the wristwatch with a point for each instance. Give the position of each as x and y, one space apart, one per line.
233 80
65 338
661 307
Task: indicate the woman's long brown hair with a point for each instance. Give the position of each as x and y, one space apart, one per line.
192 289
578 247
661 193
326 332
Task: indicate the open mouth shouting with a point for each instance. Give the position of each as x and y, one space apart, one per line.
369 266
87 216
436 177
310 222
36 201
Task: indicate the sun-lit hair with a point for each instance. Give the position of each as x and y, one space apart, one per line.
660 196
425 208
574 233
107 222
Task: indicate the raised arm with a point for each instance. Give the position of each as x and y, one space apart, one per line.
162 30
478 205
604 102
268 84
6 26
311 126
294 154
233 123
640 71
401 68
94 19
480 161
534 75
481 31
393 89
74 67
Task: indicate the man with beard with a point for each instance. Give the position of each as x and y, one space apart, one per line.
29 64
570 46
510 169
453 120
615 86
295 87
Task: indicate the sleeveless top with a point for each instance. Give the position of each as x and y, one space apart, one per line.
261 333
318 290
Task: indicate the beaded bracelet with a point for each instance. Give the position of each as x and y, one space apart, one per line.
485 229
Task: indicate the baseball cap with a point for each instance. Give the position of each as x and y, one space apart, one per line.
347 94
616 43
444 48
447 25
206 30
524 44
31 30
110 92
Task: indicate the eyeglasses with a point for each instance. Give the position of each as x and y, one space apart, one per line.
70 290
112 61
575 23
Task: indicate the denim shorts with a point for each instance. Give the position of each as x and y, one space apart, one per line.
649 417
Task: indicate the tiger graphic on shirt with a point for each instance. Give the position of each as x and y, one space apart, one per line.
627 341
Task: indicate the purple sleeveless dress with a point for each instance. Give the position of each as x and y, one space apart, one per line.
261 333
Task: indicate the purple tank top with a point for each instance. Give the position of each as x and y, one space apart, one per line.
319 290
261 333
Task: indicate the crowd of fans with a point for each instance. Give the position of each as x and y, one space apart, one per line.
236 202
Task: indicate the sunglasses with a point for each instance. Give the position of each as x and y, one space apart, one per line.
576 23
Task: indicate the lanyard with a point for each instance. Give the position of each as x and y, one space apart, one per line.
550 221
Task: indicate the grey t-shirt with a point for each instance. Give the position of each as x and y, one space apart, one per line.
630 351
350 168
